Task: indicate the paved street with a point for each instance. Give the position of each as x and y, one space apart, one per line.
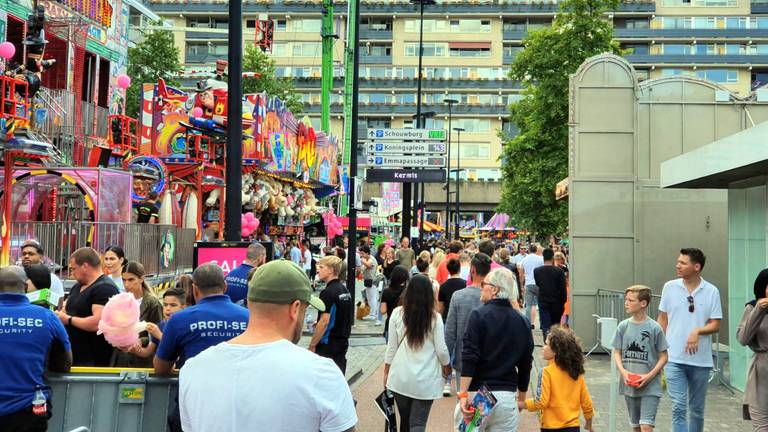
723 408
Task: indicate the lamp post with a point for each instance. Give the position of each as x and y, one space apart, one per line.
422 203
419 124
450 103
234 150
458 184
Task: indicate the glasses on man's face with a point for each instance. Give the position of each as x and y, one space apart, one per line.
484 284
691 307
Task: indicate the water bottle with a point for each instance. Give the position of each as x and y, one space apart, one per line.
39 407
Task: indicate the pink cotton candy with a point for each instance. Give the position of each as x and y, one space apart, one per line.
119 322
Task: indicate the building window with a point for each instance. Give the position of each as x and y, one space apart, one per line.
430 26
306 25
376 24
631 23
474 150
250 23
378 50
514 26
306 49
280 49
281 25
637 49
723 76
473 125
470 52
430 49
379 123
470 26
512 51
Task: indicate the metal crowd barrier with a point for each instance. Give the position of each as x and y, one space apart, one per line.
162 249
610 304
111 399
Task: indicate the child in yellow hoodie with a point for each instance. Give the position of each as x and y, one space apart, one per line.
562 392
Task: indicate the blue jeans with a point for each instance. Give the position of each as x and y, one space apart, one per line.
687 387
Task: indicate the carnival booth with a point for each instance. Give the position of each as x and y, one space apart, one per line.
287 165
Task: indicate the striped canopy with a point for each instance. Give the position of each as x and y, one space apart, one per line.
499 222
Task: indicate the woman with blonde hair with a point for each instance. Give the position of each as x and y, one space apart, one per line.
150 310
436 260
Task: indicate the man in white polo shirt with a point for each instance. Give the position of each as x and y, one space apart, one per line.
689 313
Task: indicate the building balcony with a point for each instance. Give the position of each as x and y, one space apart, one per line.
203 58
367 34
738 60
410 83
503 7
366 59
515 35
408 109
759 6
648 33
204 35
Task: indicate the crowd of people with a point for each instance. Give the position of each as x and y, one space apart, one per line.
458 318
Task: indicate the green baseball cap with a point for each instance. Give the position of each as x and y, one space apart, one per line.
282 282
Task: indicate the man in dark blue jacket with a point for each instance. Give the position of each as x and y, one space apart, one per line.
497 351
30 337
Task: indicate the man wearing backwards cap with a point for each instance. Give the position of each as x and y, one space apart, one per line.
296 389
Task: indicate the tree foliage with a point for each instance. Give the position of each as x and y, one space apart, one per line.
254 60
536 159
153 58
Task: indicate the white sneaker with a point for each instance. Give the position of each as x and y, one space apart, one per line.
368 318
447 389
377 323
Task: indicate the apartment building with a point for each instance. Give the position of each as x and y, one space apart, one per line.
468 47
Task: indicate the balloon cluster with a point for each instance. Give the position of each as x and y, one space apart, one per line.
119 322
248 224
332 225
7 50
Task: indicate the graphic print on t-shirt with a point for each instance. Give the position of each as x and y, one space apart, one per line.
637 351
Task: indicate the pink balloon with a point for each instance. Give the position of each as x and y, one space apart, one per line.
196 112
7 50
256 224
245 232
249 216
123 81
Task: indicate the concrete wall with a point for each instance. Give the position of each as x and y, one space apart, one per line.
625 229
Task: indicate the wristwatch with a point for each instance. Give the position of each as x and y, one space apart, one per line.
69 321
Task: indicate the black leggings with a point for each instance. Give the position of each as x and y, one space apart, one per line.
413 413
568 429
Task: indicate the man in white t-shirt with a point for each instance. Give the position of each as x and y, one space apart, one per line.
525 269
261 380
689 312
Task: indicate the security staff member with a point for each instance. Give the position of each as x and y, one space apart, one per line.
30 336
214 319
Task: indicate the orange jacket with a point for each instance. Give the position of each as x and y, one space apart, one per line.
561 398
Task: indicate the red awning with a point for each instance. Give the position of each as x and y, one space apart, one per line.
469 45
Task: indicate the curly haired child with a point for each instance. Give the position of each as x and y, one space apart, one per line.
562 393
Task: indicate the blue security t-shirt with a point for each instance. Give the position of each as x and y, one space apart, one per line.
237 283
27 332
213 320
